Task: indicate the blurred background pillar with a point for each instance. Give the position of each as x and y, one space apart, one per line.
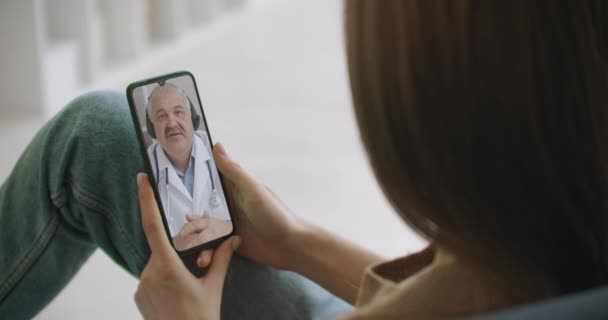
79 21
203 11
125 28
21 61
169 19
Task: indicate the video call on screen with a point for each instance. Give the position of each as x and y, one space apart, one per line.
179 150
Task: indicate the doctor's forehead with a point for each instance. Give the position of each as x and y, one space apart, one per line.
166 97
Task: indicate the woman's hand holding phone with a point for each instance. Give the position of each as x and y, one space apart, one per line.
167 290
272 235
269 230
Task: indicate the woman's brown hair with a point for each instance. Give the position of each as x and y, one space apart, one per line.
486 124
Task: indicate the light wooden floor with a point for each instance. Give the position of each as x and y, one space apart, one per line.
273 81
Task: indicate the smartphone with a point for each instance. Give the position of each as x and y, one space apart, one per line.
177 148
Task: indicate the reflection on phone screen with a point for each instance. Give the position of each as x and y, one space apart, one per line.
179 152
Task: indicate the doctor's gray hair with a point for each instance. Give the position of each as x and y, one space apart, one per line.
165 85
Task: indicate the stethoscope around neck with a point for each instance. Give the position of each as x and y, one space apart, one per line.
214 200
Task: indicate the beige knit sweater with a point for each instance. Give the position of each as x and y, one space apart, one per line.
433 284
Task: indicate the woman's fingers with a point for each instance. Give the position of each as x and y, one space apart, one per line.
230 169
204 258
220 262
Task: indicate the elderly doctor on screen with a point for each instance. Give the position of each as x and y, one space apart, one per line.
184 169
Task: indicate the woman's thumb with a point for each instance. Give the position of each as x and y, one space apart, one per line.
221 260
229 168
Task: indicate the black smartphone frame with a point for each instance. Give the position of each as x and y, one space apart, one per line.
148 164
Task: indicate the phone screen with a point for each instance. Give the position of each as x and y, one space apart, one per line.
176 143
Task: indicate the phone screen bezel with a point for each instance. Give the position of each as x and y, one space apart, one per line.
148 164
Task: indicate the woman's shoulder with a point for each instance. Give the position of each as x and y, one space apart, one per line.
432 284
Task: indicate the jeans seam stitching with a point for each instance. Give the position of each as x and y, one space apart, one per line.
39 244
58 199
91 202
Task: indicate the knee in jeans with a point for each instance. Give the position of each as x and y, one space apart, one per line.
103 121
100 109
104 112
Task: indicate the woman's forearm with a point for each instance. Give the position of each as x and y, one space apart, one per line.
331 261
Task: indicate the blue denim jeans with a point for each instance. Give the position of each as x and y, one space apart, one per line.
74 190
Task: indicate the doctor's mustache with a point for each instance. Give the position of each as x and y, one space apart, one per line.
174 131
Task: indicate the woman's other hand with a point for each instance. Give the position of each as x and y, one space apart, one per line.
267 227
167 290
273 235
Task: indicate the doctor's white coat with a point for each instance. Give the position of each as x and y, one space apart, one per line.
176 199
